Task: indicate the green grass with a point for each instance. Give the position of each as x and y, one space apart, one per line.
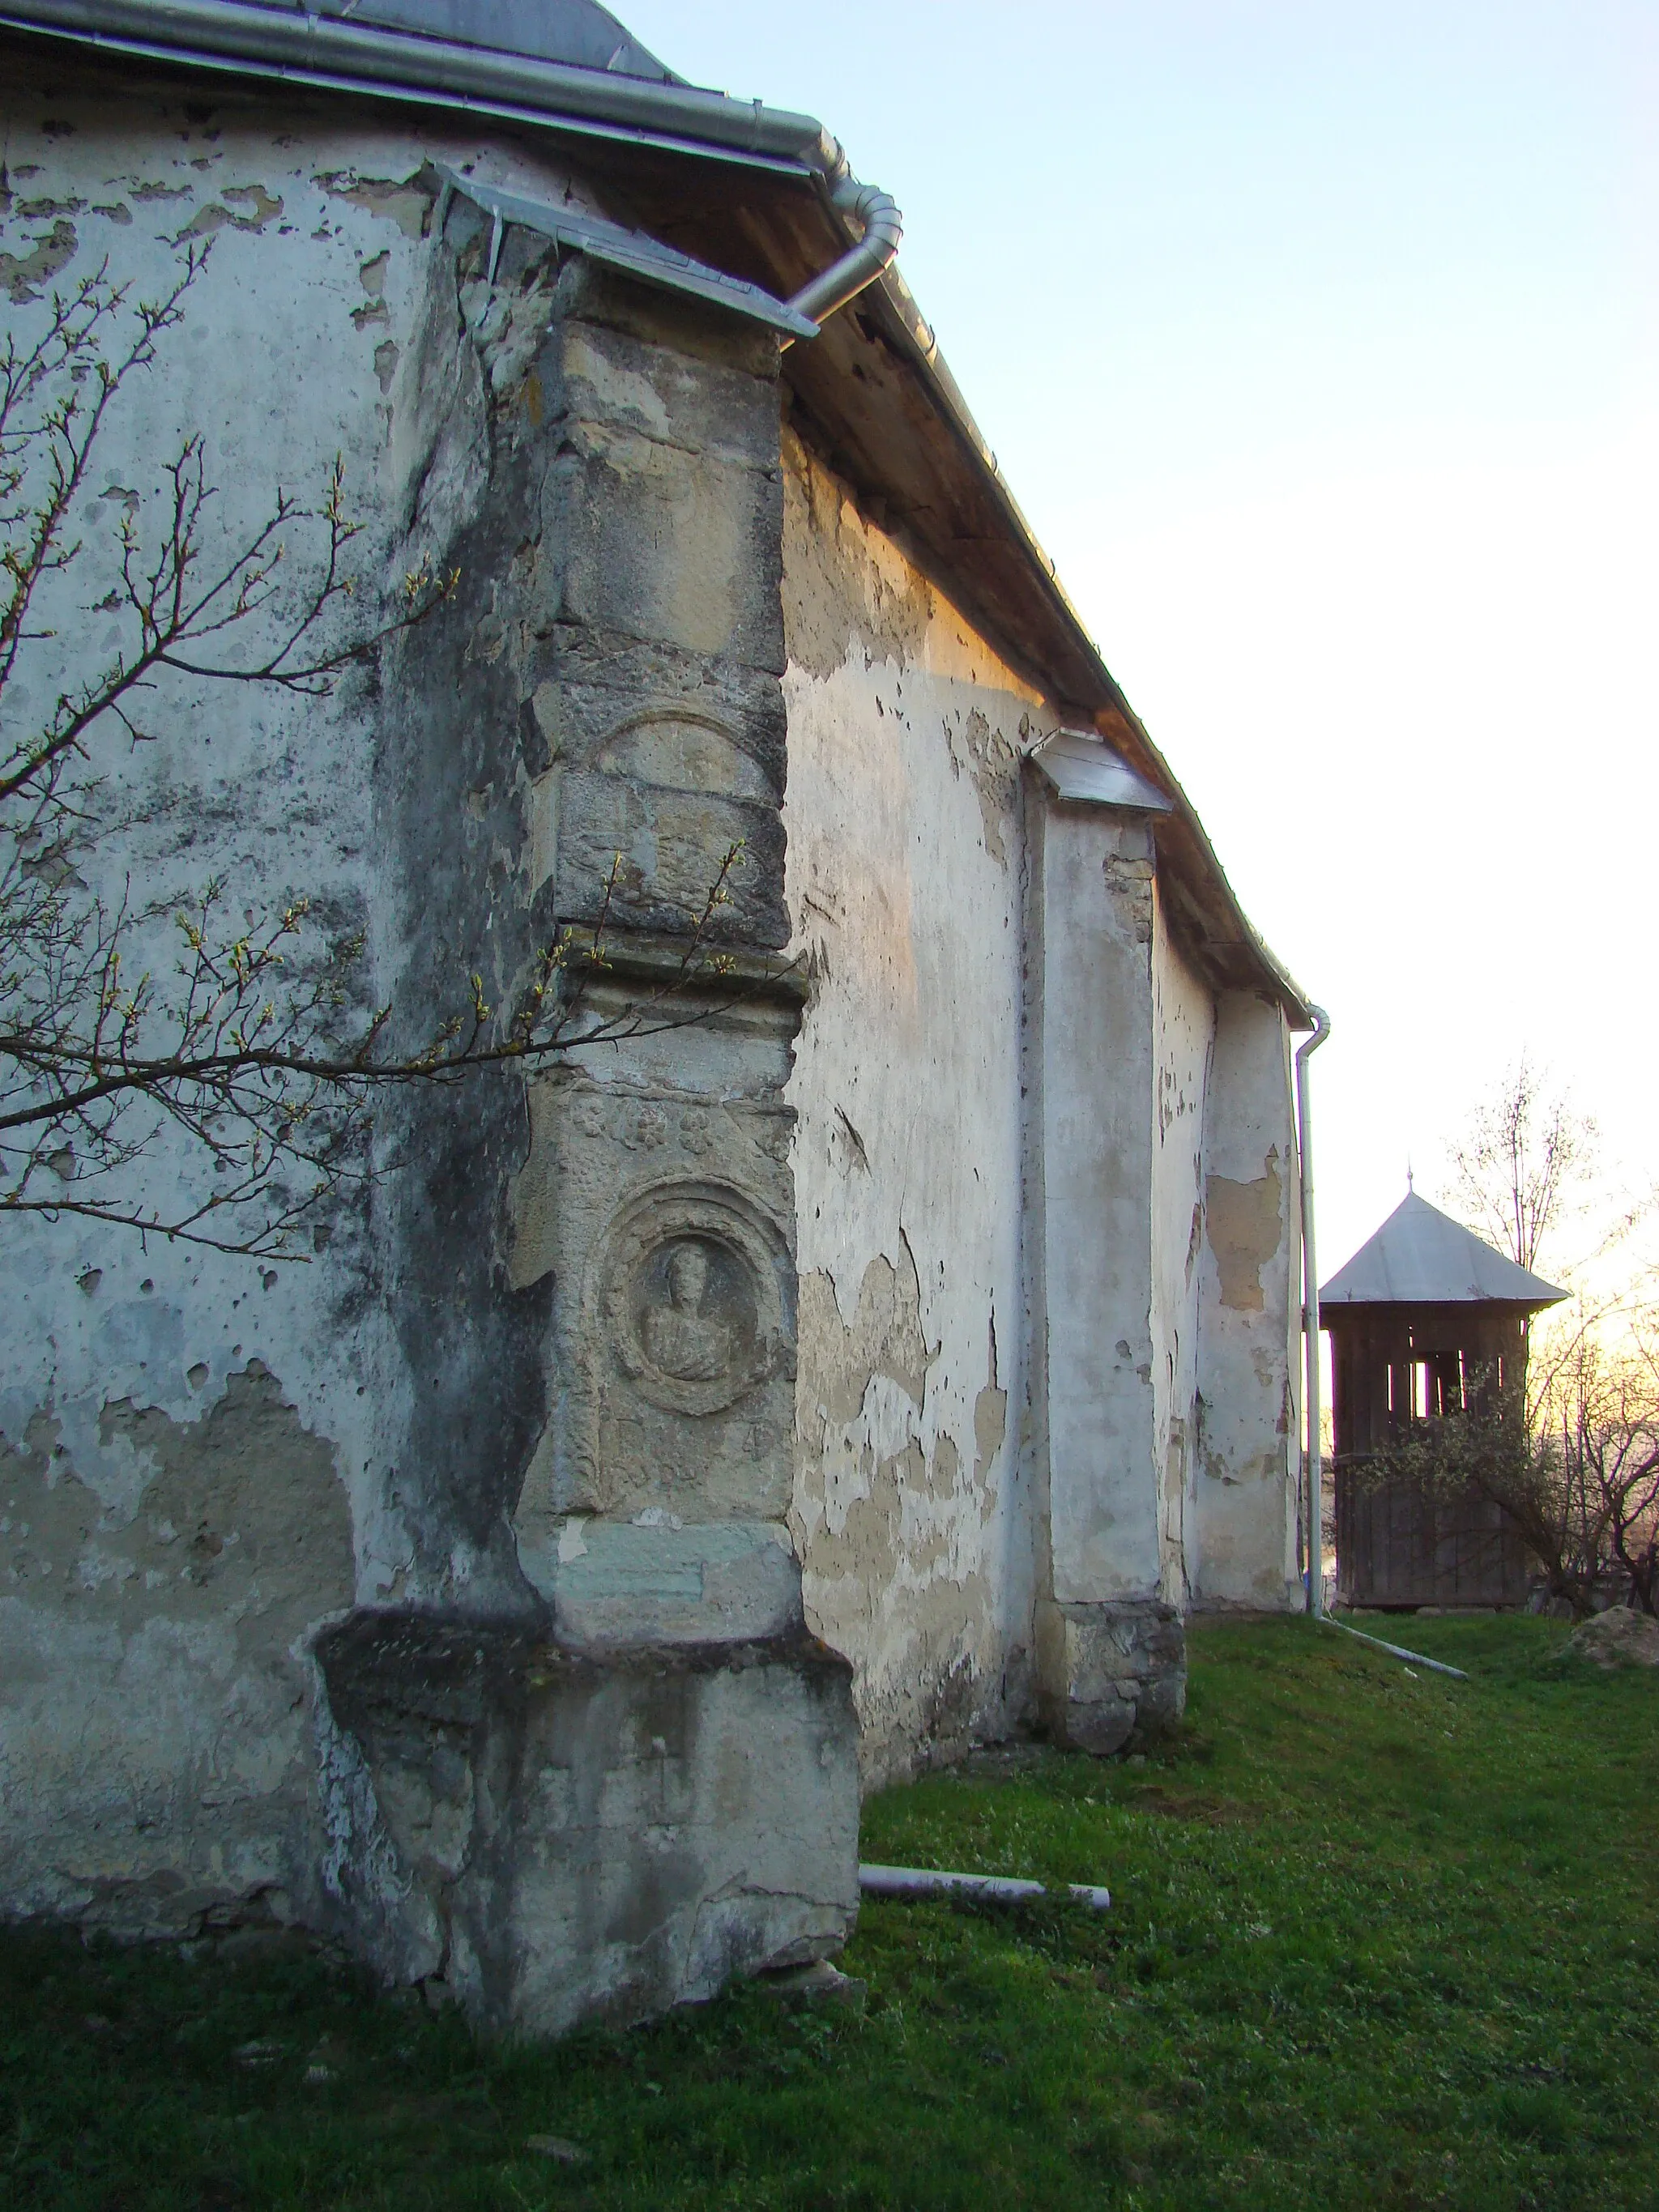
1378 1940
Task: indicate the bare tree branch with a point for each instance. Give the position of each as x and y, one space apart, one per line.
255 1046
1526 1156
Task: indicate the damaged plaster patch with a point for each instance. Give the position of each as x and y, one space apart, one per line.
990 1428
23 278
842 582
839 1361
1244 1225
242 1515
408 204
258 205
993 765
152 1654
885 1521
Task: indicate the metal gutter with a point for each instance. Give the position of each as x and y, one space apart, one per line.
364 60
336 56
492 111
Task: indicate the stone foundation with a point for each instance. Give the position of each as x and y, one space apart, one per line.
1108 1673
547 1837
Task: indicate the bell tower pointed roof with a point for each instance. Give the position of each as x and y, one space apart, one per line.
1422 1257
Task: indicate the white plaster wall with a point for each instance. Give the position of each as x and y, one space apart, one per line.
116 1352
904 857
1242 1541
270 371
1183 1037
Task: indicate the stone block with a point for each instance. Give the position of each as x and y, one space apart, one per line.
655 1581
671 545
606 299
552 1837
665 850
1109 1672
666 495
658 387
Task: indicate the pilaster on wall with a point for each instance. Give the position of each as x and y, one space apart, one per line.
1109 1648
1241 1550
657 1194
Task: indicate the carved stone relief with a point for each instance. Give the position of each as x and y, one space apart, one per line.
675 748
691 1298
691 1350
672 789
662 1220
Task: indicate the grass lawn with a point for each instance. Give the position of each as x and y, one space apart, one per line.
1377 1939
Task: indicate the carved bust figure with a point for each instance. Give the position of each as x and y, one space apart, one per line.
693 1280
680 1338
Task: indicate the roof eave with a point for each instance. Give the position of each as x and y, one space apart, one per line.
1115 718
344 56
1339 1304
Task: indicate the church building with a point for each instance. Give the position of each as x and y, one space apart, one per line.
520 1575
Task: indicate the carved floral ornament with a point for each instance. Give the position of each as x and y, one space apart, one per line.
695 1297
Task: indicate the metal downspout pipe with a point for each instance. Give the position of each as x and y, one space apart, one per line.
1312 1458
868 205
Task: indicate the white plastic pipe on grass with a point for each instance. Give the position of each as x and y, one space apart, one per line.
1397 1651
924 1882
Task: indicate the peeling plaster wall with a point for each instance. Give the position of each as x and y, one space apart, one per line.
158 1703
1183 1037
1242 1544
200 1456
904 818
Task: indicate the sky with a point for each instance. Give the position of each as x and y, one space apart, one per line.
1318 343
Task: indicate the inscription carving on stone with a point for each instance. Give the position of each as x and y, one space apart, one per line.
693 1299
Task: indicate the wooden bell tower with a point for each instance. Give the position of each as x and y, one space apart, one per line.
1425 1321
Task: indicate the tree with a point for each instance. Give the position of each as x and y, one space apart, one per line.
254 1043
1576 1469
1526 1155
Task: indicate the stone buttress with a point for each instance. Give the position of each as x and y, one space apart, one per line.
607 1766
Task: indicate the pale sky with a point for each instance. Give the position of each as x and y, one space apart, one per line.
1318 343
